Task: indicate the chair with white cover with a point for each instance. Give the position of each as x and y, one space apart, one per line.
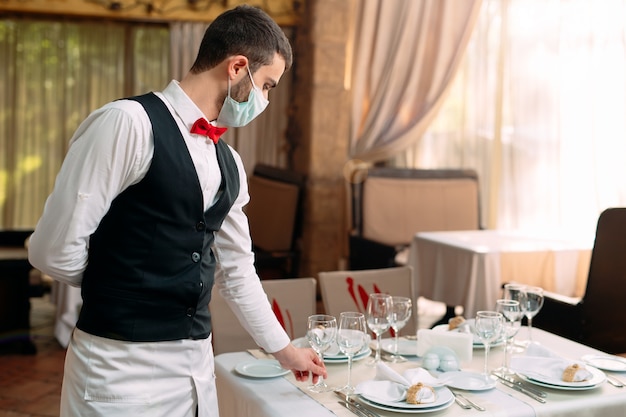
349 290
293 301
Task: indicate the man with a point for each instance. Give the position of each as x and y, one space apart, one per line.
146 214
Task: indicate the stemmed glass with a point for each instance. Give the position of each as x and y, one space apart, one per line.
400 315
516 292
488 326
379 312
533 303
351 337
321 333
512 320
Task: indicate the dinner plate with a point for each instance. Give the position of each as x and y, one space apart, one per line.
468 381
443 401
443 396
335 356
606 362
476 343
597 377
261 368
405 347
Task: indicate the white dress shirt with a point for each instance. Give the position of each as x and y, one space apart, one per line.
111 150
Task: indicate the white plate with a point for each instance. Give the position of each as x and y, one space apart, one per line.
405 347
404 407
468 381
344 359
409 411
337 357
597 378
443 396
261 368
476 343
606 362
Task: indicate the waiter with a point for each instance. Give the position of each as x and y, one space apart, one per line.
147 215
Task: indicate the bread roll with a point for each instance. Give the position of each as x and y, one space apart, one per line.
420 394
455 322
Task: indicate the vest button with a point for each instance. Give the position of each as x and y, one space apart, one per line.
195 257
190 312
200 226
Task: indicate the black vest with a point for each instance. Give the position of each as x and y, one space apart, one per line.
151 268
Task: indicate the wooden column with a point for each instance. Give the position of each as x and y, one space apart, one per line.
319 130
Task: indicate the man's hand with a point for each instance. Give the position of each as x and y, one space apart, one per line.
302 362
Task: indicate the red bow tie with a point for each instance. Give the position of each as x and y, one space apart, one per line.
202 127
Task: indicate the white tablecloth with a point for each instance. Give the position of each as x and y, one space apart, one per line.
468 268
284 397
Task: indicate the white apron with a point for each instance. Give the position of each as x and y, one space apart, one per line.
111 378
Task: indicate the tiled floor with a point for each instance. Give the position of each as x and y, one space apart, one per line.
30 385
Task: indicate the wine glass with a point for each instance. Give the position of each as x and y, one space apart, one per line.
488 326
321 333
512 320
533 303
400 315
379 312
351 337
516 292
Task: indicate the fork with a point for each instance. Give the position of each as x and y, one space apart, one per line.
469 402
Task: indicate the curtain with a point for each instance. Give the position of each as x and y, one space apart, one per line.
404 56
264 139
538 109
53 74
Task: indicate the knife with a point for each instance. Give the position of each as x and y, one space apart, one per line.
354 403
523 390
534 390
353 409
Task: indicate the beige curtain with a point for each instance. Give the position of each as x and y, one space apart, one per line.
52 75
405 54
264 139
538 109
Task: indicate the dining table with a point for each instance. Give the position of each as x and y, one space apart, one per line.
468 268
244 394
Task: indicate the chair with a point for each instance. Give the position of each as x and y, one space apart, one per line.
598 318
392 204
349 290
274 214
293 301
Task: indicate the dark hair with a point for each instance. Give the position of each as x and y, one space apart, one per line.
244 30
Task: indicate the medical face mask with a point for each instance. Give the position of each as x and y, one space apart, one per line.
235 114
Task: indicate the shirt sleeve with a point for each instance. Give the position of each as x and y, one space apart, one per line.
236 278
110 151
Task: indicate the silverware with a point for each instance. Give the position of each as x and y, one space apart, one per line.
355 403
352 408
512 380
614 381
460 401
466 400
523 390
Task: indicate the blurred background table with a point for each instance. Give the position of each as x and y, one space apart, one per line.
468 268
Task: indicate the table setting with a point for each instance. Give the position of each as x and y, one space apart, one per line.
550 376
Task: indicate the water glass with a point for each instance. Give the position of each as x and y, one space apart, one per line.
534 302
321 333
512 320
379 312
488 328
351 337
401 313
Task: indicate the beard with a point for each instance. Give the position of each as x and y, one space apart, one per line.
239 92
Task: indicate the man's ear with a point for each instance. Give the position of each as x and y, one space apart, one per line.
237 65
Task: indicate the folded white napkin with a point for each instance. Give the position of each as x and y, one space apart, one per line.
542 363
461 343
389 385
